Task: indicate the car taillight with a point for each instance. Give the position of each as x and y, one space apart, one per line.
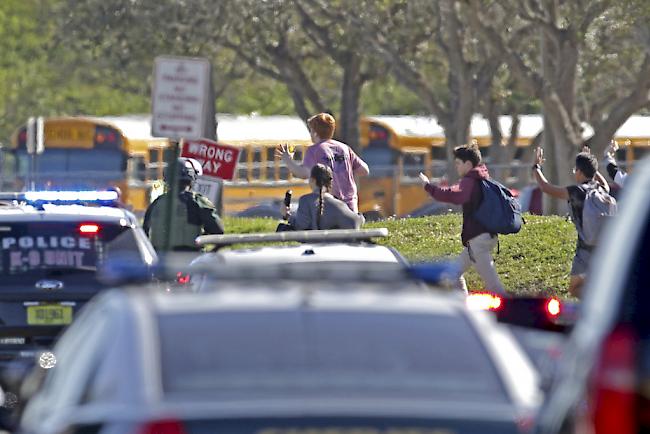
553 307
89 229
483 301
612 400
165 426
183 279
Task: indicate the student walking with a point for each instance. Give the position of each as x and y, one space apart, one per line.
321 210
338 156
589 205
477 240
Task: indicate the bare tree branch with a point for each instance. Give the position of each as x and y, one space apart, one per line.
593 11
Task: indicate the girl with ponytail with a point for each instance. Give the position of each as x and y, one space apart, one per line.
320 209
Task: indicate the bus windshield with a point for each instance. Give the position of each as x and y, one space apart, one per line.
79 168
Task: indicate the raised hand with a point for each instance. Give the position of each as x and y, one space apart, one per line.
610 151
283 151
539 156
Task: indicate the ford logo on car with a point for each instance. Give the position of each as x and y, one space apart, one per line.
49 284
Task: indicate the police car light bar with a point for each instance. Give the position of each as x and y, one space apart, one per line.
300 236
62 196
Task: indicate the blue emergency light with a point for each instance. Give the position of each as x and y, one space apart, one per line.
63 197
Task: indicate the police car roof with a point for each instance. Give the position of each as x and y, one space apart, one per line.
317 252
308 236
68 213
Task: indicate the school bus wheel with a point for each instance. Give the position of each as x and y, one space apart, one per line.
373 216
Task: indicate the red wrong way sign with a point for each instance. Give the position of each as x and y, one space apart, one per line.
218 160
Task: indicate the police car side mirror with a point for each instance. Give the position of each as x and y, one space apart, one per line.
121 272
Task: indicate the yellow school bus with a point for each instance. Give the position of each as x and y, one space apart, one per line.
261 178
91 153
398 148
633 138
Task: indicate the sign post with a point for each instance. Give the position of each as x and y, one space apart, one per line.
30 144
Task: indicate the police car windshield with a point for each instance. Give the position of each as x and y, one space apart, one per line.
325 354
33 247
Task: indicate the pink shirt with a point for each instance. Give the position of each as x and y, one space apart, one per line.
343 161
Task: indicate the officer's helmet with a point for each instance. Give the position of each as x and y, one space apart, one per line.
188 169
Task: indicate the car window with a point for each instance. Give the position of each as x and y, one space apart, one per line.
325 352
32 247
348 425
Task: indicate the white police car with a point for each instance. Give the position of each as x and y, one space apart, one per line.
52 245
344 247
311 347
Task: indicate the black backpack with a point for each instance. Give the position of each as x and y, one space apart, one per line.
499 211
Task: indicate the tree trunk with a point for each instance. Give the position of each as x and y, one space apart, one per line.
560 152
502 153
456 134
348 125
496 143
462 103
562 135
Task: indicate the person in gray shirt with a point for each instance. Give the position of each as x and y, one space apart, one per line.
320 209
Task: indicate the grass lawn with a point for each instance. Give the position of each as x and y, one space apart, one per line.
536 260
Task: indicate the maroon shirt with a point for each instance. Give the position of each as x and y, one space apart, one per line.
468 194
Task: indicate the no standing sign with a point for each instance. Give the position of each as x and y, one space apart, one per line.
181 103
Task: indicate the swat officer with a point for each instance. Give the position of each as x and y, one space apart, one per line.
193 215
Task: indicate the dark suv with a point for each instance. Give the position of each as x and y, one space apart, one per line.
603 384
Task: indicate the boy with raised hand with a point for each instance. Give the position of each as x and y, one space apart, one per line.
587 178
478 242
617 175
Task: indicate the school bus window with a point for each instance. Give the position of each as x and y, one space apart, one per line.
519 153
284 172
413 164
378 136
438 153
155 167
106 162
257 159
640 152
378 157
270 157
137 168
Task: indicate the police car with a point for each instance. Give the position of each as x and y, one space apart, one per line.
315 348
336 247
52 245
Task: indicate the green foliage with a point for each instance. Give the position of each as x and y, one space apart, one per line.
536 260
386 96
96 56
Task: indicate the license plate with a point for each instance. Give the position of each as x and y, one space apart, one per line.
49 314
